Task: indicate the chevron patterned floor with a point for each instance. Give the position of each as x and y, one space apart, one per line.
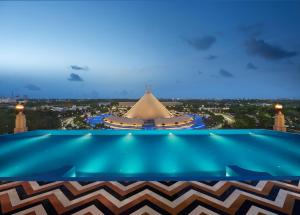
150 197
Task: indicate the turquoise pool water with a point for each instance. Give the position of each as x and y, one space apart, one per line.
149 155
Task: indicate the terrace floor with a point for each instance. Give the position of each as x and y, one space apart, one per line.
141 197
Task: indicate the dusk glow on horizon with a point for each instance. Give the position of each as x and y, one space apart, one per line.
113 49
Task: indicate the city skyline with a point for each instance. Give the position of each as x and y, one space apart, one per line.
183 50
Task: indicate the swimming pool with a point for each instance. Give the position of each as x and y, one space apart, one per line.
149 155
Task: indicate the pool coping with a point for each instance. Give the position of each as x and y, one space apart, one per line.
149 132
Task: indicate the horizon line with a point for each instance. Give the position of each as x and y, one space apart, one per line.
173 99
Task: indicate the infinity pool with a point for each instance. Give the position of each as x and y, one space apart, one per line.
149 155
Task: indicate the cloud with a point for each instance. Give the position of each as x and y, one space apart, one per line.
32 87
251 66
202 43
267 51
83 68
75 77
252 30
211 57
226 74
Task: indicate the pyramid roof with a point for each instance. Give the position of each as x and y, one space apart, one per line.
148 107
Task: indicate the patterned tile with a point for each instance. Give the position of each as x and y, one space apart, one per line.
150 197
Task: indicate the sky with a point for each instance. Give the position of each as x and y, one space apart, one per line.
182 49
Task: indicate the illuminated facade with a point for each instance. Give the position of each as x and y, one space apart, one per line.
148 112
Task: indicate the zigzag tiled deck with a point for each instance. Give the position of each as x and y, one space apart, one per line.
215 197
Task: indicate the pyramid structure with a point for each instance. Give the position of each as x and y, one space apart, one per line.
148 107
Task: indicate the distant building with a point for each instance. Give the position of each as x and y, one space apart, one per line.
8 100
148 112
58 109
75 107
104 103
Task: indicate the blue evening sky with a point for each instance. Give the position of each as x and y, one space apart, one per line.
183 49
